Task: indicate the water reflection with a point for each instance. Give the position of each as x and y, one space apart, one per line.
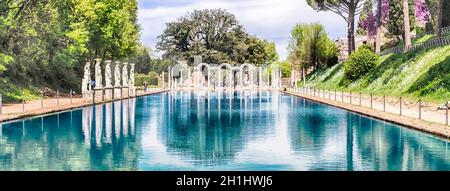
81 139
243 130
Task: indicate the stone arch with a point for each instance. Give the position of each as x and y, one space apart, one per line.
202 74
246 75
225 77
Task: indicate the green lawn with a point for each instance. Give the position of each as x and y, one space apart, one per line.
419 73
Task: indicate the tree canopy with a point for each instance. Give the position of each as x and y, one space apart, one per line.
44 43
347 9
310 46
217 36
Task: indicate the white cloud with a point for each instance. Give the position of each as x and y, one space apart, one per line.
268 19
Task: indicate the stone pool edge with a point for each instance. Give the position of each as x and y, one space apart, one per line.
417 124
46 111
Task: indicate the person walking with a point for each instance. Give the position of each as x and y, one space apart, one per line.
145 86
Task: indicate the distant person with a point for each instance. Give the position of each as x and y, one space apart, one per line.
92 84
145 86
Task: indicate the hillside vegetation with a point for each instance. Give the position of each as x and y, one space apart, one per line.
423 73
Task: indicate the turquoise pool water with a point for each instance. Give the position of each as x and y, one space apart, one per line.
249 130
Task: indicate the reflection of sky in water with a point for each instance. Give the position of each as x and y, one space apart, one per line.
216 131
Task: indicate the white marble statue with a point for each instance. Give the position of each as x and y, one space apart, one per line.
86 78
117 74
125 74
108 74
131 80
98 74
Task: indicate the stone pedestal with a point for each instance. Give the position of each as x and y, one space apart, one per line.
125 92
117 93
87 95
109 93
98 93
132 91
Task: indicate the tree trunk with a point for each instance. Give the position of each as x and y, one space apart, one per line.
378 37
407 28
351 30
439 18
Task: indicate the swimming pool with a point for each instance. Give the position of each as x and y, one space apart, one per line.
207 130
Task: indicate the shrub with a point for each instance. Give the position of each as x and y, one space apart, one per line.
360 62
151 78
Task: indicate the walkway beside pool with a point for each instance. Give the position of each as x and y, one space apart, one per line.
50 105
431 122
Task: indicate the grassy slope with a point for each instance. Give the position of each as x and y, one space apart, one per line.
420 73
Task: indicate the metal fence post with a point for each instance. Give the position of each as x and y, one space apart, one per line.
334 94
359 98
42 100
23 105
350 97
446 113
420 108
342 95
384 102
329 95
370 100
314 90
71 96
57 97
1 104
401 105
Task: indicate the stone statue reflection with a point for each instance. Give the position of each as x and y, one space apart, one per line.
108 122
98 125
117 118
131 112
87 125
125 120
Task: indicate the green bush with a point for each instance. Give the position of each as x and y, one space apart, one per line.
360 62
151 78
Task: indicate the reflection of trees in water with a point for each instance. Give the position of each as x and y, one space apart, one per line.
202 134
388 147
369 144
75 140
314 126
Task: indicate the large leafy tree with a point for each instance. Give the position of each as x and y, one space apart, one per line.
44 43
310 46
215 35
347 9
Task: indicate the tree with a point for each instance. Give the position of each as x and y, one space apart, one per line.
347 9
310 46
44 44
439 18
407 36
215 35
433 6
367 23
395 23
378 28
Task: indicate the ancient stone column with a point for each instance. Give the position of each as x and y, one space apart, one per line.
85 83
98 90
209 77
98 74
169 78
259 77
131 81
231 78
108 78
117 86
163 81
125 80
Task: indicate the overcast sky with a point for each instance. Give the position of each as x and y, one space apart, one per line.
268 19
